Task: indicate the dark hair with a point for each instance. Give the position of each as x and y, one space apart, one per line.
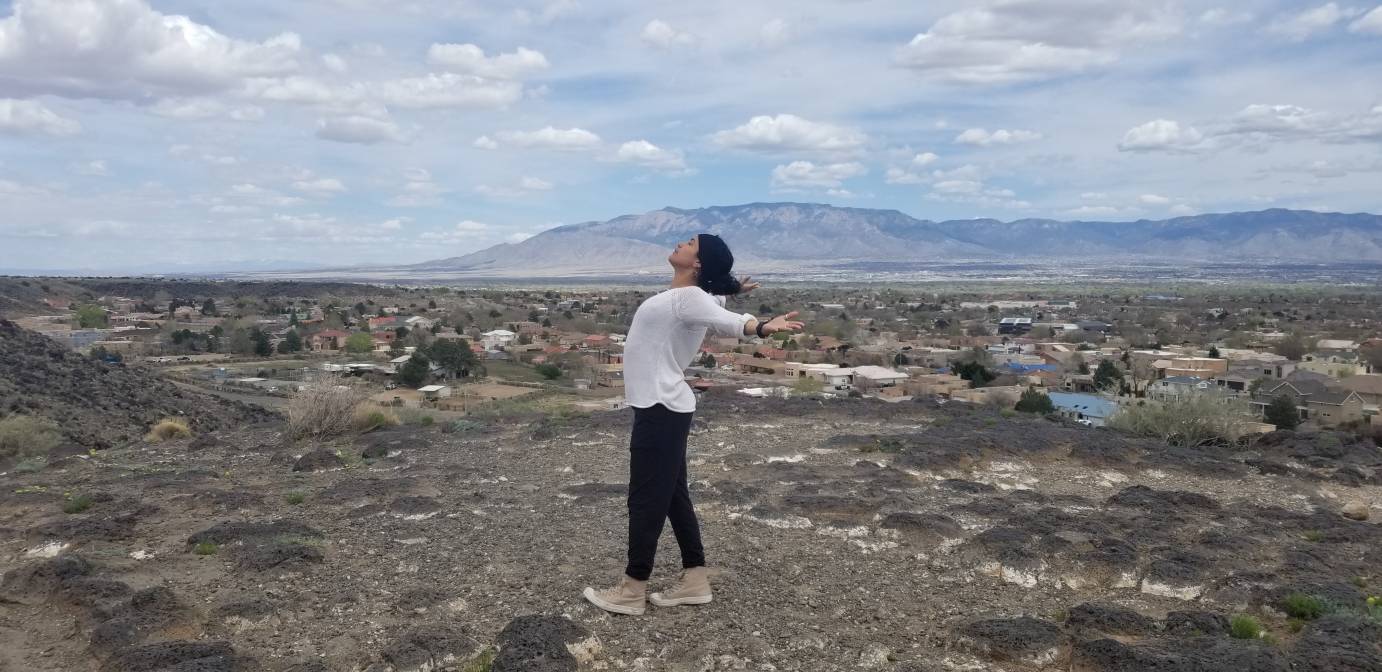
716 265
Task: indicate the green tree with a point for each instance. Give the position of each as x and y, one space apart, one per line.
415 371
209 306
359 343
360 308
91 316
549 371
1213 352
977 374
1293 347
240 342
454 355
1282 412
1034 401
291 342
1108 375
260 339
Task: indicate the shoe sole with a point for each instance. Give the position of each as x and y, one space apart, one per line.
660 601
611 607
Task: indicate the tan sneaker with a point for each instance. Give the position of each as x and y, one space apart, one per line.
693 588
626 597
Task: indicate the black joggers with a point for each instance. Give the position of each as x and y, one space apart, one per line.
657 489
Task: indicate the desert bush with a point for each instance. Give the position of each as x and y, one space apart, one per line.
294 498
167 429
76 504
25 436
205 548
1196 420
369 417
1304 607
323 411
1244 627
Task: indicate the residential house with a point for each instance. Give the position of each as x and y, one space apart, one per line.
1006 395
595 341
497 338
1331 408
419 322
1015 325
435 392
750 364
1367 386
839 379
1193 367
871 378
1335 364
329 339
384 322
1176 388
935 384
1097 410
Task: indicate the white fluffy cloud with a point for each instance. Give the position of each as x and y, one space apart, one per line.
798 174
790 133
471 60
1369 23
324 186
1313 21
448 90
359 130
1161 135
659 33
1020 40
1153 199
563 139
126 49
524 185
983 138
32 117
924 159
644 153
204 108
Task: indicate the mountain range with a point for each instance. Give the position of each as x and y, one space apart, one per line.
782 236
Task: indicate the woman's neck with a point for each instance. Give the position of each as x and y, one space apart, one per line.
684 277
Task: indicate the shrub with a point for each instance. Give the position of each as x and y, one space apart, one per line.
462 427
1244 627
170 428
369 417
205 548
1196 420
23 436
1304 607
549 371
295 498
323 411
427 421
76 504
1034 401
482 662
31 465
1282 412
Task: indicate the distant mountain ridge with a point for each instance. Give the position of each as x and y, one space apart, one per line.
784 235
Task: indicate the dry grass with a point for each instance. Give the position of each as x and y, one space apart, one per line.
23 436
371 416
323 411
168 429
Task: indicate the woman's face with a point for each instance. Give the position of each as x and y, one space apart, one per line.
687 254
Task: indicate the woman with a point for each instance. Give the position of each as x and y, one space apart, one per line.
665 335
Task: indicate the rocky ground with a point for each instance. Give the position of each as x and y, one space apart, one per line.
98 405
845 535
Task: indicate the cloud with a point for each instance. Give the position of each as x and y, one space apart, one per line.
644 153
517 237
1022 40
774 33
1292 122
659 33
419 190
900 176
462 231
126 49
485 142
92 169
983 138
394 224
335 63
30 117
359 130
525 185
471 60
808 174
1093 211
568 139
448 90
1369 23
1161 135
1220 16
1310 22
1153 199
924 159
194 109
790 133
320 187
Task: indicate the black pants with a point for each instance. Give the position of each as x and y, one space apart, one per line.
657 489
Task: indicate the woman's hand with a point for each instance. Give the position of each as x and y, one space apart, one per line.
783 323
745 286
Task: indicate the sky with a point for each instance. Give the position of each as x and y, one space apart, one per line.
184 135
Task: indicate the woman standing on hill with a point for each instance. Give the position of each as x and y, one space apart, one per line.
666 333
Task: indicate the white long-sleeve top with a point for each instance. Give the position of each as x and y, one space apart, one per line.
666 333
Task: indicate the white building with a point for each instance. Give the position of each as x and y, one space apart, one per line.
497 338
